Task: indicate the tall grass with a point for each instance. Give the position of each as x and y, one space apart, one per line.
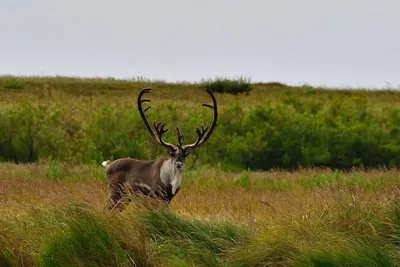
276 218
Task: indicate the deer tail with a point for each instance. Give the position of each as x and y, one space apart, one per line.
106 163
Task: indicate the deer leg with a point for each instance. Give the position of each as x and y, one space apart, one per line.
163 196
114 198
141 189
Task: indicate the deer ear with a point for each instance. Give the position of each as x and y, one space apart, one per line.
171 151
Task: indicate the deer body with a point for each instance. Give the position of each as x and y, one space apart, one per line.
160 178
154 177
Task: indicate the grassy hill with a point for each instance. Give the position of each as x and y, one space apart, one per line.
274 126
241 203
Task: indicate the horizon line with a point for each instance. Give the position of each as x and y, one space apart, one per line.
142 78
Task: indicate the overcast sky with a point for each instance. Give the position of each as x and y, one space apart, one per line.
353 43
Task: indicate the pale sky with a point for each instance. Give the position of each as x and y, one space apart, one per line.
354 43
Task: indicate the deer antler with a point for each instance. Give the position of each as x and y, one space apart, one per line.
180 137
204 132
159 127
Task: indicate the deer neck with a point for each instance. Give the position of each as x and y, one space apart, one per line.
171 176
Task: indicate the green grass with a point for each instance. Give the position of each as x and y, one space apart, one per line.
13 83
192 241
274 126
213 221
360 254
85 242
329 197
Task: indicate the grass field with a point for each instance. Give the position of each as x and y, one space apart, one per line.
292 176
52 215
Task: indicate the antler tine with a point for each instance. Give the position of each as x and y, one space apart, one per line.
145 100
180 136
161 129
203 134
146 109
207 105
160 132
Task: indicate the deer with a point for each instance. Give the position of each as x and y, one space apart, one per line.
159 178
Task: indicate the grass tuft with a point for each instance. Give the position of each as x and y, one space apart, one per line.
361 254
192 240
87 242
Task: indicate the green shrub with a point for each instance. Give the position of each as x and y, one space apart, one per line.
230 86
263 137
288 130
12 83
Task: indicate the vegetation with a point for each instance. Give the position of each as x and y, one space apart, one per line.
275 126
225 85
13 83
339 208
312 217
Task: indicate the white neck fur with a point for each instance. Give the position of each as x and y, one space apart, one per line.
171 176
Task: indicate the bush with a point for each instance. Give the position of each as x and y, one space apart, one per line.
286 130
13 84
224 85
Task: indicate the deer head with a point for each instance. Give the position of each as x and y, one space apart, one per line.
179 152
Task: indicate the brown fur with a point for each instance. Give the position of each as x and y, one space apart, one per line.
128 175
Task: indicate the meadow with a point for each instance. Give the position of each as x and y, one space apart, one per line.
292 176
